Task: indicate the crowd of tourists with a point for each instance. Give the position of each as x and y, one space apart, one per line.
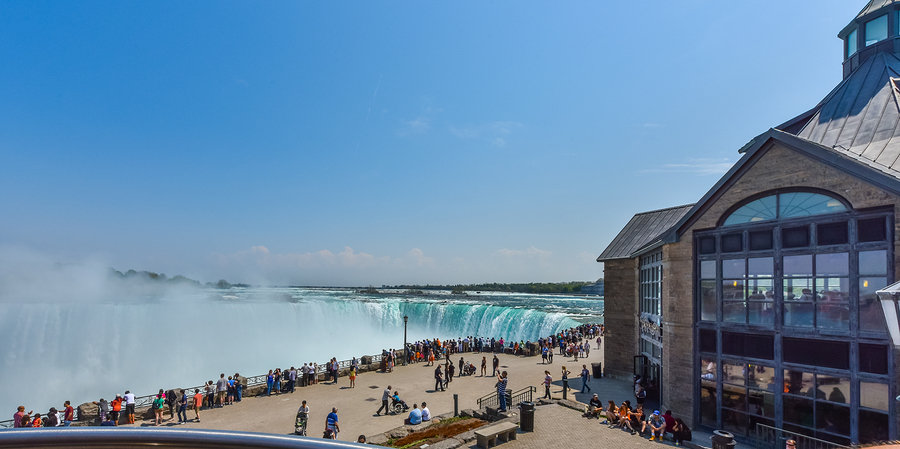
228 390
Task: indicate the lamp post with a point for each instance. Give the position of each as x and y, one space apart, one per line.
405 347
889 297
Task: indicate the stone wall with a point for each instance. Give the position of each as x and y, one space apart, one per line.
620 317
776 167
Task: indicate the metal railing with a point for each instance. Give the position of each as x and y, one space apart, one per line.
260 379
768 437
512 399
165 438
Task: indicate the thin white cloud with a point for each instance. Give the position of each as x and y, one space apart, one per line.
496 132
531 251
701 167
421 124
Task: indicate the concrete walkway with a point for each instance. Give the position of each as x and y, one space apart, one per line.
357 406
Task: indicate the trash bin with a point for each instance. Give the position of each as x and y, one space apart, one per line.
722 440
597 368
526 419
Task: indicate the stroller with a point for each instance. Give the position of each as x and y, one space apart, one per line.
300 424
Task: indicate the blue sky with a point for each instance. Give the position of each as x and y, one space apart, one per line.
358 143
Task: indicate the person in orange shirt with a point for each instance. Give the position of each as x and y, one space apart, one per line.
116 408
37 421
198 402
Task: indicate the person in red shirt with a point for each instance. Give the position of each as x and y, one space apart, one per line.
198 402
37 421
69 415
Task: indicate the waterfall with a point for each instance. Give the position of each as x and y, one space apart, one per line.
87 350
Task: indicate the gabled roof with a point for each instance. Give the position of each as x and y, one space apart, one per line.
860 118
643 229
849 163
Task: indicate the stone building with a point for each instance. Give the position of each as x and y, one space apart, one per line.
755 306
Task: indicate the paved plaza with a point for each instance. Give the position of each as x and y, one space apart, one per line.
555 425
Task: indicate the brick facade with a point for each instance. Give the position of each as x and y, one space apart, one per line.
620 309
775 167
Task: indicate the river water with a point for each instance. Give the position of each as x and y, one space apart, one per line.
85 350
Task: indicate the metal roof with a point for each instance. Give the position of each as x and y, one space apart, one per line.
644 228
870 9
860 118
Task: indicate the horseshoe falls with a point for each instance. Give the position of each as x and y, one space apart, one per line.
82 350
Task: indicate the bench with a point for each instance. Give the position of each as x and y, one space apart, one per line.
487 436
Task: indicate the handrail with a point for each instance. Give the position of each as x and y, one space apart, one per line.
768 437
493 399
165 438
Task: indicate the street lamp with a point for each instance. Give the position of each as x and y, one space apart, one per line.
405 347
889 297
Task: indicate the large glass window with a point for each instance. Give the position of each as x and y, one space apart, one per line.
778 289
785 205
651 283
876 30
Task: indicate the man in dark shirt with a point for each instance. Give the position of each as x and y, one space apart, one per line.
438 379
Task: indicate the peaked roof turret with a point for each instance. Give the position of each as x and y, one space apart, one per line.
869 10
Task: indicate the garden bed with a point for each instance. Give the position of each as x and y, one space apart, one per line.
436 432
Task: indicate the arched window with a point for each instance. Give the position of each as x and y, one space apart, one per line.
785 205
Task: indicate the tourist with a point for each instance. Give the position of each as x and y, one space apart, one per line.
292 379
361 439
19 415
331 423
587 349
595 407
585 378
483 366
657 425
25 421
303 418
37 422
221 390
158 408
210 394
624 413
415 416
640 394
229 397
352 376
426 414
171 399
276 381
109 423
198 402
501 390
103 408
53 417
612 414
565 378
790 444
69 414
635 420
496 365
116 408
438 379
670 421
681 432
129 406
315 373
548 380
385 397
182 407
451 369
304 375
397 400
